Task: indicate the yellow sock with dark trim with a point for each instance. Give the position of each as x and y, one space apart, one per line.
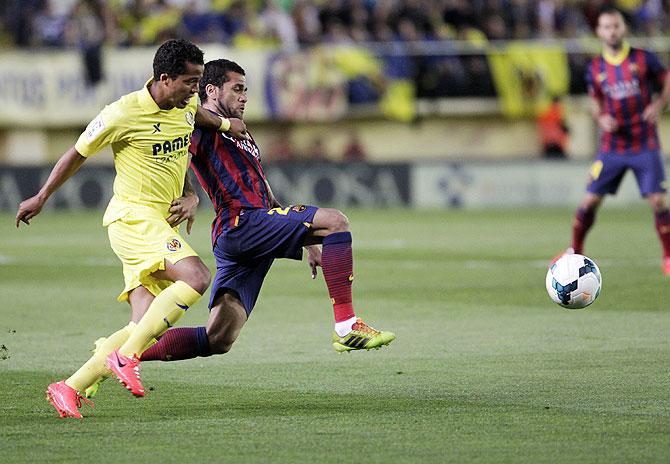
96 366
163 313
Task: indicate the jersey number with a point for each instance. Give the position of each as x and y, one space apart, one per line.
282 211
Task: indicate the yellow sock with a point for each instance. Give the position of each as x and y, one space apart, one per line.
96 365
163 313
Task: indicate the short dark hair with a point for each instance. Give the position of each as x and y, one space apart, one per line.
610 10
216 73
172 56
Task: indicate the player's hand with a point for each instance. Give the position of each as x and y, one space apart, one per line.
183 209
28 209
652 112
607 123
238 129
313 258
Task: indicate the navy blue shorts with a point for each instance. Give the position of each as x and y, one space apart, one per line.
608 171
245 252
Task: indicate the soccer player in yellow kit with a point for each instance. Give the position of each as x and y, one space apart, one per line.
149 131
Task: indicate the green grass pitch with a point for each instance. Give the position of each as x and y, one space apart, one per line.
485 367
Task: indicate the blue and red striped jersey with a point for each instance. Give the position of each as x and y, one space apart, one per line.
230 171
624 86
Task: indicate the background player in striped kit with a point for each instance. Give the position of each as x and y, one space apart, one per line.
621 84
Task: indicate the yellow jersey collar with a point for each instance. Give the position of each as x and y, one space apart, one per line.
617 59
146 101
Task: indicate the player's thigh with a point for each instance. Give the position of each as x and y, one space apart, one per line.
264 233
190 269
605 174
329 221
145 243
649 173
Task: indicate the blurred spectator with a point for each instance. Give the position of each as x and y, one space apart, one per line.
354 150
86 29
316 150
290 23
553 131
279 25
306 18
48 26
417 41
281 147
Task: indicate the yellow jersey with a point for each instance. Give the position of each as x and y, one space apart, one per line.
150 147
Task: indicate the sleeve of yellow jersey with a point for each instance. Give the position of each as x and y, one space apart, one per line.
100 132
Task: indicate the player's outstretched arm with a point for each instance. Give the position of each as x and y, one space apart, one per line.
66 166
236 127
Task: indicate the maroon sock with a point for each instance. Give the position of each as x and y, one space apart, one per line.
663 229
338 271
179 343
584 219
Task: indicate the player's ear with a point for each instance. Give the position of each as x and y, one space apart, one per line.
211 90
163 78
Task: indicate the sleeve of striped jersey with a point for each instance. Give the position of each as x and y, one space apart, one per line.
100 132
656 69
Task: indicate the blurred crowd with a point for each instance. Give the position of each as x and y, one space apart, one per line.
400 34
291 24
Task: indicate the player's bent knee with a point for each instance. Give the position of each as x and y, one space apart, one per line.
221 345
658 202
338 221
199 279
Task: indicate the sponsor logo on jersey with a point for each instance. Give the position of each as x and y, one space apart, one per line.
622 89
245 145
170 146
190 118
173 245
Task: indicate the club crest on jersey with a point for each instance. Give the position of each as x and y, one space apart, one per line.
299 208
190 119
173 245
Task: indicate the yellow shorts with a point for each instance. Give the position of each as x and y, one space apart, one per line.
143 240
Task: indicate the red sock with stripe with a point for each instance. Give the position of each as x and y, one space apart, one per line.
179 343
338 271
584 219
663 229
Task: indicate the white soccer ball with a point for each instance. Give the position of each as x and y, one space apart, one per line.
574 281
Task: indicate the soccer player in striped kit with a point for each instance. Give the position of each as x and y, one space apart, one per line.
621 85
251 229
